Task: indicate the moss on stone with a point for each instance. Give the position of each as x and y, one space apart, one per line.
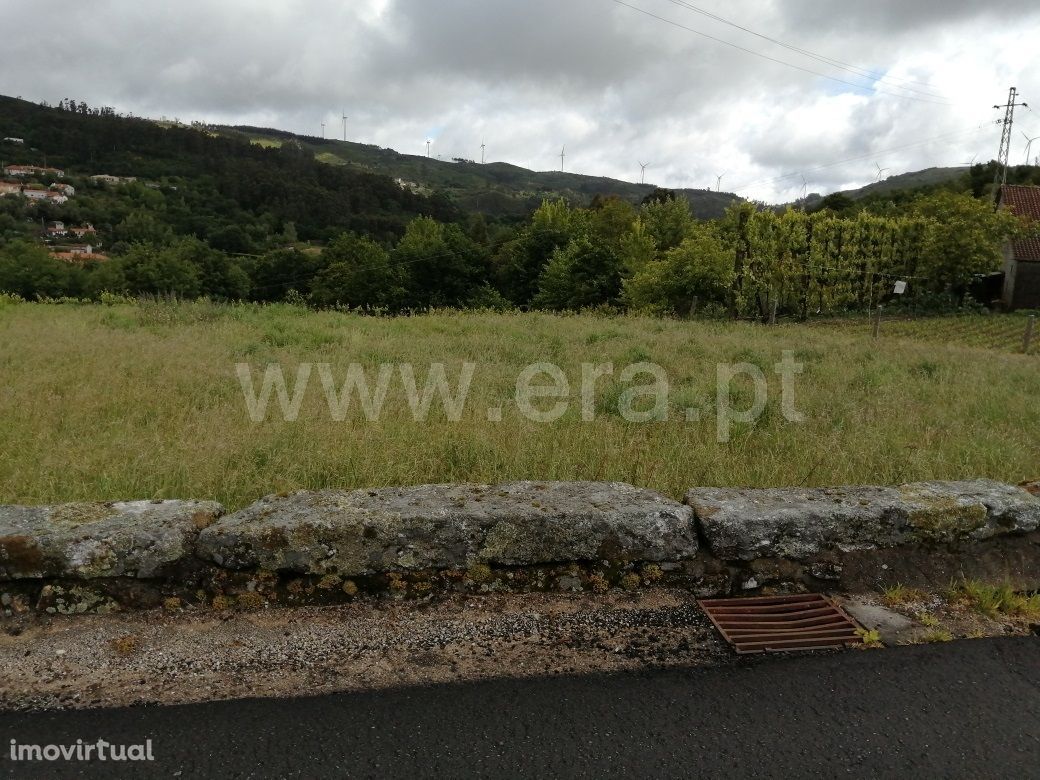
479 573
73 515
940 518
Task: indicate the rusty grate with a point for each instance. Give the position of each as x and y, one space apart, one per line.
777 624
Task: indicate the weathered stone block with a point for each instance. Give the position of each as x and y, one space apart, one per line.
803 524
141 539
451 526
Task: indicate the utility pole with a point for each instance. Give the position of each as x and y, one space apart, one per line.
1005 140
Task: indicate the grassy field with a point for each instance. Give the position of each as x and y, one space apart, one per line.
137 401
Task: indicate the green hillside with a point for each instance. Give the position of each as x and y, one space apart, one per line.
496 189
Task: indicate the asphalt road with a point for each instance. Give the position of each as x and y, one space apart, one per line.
969 709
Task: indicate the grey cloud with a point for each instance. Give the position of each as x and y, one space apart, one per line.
530 75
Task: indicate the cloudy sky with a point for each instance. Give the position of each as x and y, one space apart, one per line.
903 84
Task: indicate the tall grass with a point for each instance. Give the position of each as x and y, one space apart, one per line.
140 401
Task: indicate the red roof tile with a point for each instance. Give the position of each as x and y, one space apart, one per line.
1025 202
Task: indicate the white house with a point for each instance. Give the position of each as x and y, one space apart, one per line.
38 195
12 140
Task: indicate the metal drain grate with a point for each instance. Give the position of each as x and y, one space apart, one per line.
776 624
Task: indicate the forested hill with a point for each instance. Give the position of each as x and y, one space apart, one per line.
496 189
221 180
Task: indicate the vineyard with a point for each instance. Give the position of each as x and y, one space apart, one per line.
810 264
1002 333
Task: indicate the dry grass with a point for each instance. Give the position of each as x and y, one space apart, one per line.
142 401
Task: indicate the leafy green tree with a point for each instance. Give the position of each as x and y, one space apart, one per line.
637 248
219 276
520 263
358 273
611 218
275 273
233 239
580 275
156 271
699 270
107 277
444 266
963 237
668 221
142 227
29 270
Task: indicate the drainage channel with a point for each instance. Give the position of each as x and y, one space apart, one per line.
777 624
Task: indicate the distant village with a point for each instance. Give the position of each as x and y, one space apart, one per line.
70 243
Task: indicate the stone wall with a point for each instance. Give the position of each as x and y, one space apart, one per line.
330 546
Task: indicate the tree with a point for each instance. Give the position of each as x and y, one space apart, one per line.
160 272
580 275
963 237
699 270
141 227
358 274
277 272
520 263
668 221
444 266
218 275
30 271
611 218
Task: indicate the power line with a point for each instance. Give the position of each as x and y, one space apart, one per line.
863 72
752 52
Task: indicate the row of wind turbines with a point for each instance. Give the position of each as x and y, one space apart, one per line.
718 179
1029 152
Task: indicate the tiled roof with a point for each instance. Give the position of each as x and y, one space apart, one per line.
1025 202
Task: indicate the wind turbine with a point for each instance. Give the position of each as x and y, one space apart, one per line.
971 162
563 157
344 128
1029 145
642 177
805 187
880 172
323 131
483 149
429 143
718 181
